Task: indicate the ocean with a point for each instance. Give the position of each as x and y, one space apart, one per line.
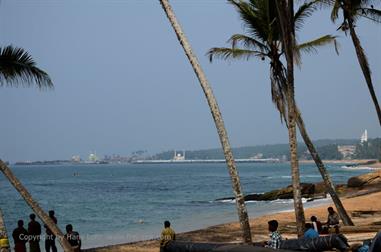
110 204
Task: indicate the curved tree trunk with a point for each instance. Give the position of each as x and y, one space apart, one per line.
286 14
361 57
323 171
240 201
3 234
35 207
329 186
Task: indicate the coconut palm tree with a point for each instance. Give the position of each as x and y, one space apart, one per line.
17 68
214 109
262 39
353 10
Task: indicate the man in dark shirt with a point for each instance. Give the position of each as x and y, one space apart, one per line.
50 237
34 230
20 237
73 238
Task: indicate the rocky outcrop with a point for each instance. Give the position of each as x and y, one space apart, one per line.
308 191
317 190
369 179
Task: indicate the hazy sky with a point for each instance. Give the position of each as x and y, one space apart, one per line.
123 83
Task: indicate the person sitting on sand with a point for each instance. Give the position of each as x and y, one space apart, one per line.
20 237
167 235
310 232
333 220
73 238
275 237
316 224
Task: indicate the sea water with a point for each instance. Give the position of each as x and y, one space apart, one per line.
110 204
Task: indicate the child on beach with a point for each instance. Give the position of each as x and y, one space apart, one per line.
167 235
316 224
275 237
310 232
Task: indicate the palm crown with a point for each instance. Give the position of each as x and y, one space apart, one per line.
17 68
262 39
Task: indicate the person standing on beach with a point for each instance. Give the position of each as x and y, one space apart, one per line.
50 237
34 230
167 235
275 237
73 238
20 237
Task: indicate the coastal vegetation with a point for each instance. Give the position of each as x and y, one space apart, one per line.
327 150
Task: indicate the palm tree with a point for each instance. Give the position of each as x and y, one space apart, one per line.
214 109
34 205
263 40
17 68
352 10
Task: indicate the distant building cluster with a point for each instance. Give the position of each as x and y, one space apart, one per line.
348 151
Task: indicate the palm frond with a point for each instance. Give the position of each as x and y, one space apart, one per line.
311 46
247 42
304 11
279 89
335 10
17 68
257 17
232 53
371 14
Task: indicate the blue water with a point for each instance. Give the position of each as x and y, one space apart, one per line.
109 204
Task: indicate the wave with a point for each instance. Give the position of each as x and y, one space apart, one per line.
277 201
302 176
354 168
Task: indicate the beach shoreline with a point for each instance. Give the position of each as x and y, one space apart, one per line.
365 210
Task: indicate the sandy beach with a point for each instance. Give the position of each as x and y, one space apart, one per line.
363 205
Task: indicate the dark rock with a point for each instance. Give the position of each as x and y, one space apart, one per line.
308 191
368 179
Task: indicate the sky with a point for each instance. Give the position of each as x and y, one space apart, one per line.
123 83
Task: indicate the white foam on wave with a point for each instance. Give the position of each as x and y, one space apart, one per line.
354 168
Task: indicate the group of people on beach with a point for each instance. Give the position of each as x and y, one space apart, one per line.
312 230
32 235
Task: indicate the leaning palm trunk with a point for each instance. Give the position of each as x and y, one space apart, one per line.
240 201
279 76
364 67
35 207
330 188
285 12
